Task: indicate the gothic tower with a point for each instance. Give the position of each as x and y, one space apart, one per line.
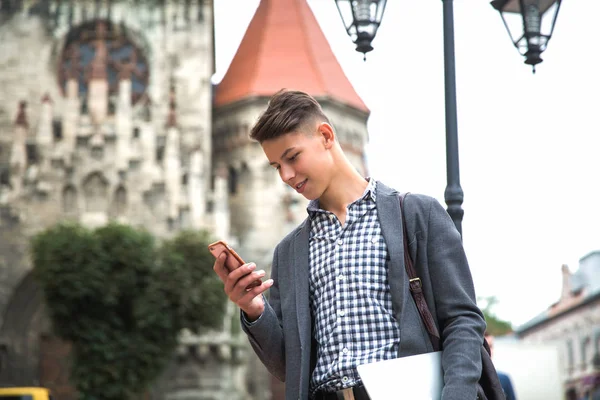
283 47
105 115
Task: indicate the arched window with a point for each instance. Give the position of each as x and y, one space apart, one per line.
69 199
120 201
233 181
101 50
570 355
95 190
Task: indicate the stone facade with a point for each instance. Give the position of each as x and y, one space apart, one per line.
574 324
106 114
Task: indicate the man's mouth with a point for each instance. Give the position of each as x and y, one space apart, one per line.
300 186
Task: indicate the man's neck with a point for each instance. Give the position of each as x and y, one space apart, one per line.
345 187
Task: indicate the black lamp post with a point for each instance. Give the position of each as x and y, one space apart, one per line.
362 18
535 20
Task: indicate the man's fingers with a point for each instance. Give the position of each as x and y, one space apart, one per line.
249 295
236 282
236 289
234 276
220 268
240 272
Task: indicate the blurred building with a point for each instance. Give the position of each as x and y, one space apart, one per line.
108 113
574 322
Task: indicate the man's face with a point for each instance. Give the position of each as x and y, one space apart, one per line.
303 161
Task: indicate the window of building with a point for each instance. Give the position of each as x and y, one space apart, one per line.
570 355
101 50
233 181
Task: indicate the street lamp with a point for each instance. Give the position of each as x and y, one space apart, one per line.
453 194
361 19
535 23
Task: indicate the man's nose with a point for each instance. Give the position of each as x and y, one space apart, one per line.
286 174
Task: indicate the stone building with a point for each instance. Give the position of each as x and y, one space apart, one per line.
574 323
107 113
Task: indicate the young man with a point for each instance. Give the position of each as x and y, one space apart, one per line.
339 293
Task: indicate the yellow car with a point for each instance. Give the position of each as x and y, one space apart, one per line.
25 393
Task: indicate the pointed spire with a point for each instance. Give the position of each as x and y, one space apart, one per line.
46 98
172 116
284 47
22 115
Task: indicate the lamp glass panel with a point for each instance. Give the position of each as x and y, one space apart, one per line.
514 6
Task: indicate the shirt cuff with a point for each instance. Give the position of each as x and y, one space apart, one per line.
249 323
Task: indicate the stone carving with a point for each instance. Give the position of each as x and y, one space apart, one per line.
45 126
172 116
21 119
69 199
120 201
95 190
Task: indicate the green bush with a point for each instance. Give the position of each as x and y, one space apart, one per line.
122 299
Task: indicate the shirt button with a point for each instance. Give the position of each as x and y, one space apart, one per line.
331 216
341 313
345 350
341 277
340 242
345 379
374 240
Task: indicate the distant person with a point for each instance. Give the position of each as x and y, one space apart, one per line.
505 381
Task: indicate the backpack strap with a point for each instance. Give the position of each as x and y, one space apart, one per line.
416 286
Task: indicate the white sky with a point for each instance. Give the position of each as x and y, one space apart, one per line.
529 144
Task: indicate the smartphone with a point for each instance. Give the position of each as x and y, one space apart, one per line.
233 260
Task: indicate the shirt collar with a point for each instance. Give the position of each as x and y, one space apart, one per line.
370 192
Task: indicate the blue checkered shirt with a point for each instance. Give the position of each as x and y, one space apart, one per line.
350 296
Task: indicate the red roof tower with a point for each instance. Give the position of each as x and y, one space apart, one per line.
284 47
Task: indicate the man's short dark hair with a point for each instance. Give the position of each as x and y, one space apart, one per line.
288 111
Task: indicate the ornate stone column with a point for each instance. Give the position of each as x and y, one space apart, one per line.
206 370
18 155
197 188
123 115
221 204
44 136
172 164
97 76
72 104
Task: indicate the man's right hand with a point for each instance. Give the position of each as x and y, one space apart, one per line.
236 282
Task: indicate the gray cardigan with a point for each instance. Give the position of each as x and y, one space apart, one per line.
282 339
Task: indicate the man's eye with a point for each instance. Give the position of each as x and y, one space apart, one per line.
292 158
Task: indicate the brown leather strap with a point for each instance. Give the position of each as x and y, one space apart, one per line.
416 286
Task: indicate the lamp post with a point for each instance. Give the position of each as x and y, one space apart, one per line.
535 23
362 18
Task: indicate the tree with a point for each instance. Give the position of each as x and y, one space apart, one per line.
495 325
122 299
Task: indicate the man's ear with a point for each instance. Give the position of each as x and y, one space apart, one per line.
327 133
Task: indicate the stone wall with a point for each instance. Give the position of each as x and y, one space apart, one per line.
68 155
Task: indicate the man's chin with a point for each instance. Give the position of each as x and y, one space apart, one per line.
309 197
